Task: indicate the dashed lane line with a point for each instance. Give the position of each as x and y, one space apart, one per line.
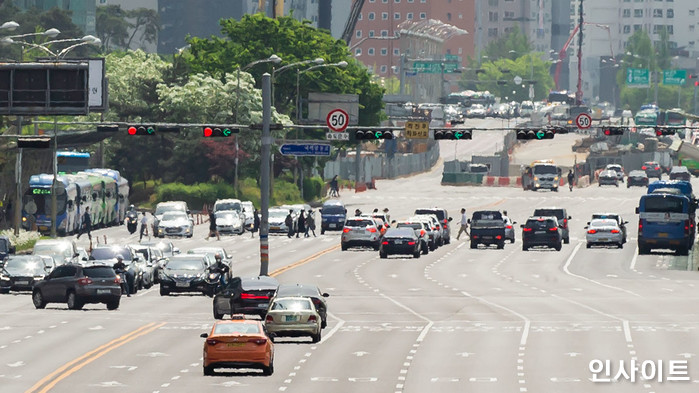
570 260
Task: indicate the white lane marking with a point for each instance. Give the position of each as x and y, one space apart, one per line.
686 355
625 323
110 384
565 379
634 259
362 379
573 354
527 322
570 259
465 354
98 327
360 353
483 379
5 328
16 364
128 368
627 331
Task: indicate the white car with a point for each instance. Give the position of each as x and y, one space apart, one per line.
293 316
229 221
618 169
175 223
277 216
248 213
604 232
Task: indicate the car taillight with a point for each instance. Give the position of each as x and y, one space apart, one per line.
592 231
509 227
85 281
445 221
657 168
615 231
498 237
371 229
640 228
565 223
117 279
384 242
686 226
527 229
345 230
644 167
211 341
422 232
258 341
554 229
269 319
411 243
249 296
312 318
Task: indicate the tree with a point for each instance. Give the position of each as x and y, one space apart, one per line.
515 41
498 77
112 27
146 19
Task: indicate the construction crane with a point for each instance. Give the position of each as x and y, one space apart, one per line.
563 52
352 20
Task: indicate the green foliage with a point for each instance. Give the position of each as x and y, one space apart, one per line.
312 188
515 41
506 70
285 192
249 190
117 27
140 192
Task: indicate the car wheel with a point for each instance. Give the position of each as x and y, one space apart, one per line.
474 244
558 247
432 247
628 185
208 370
315 337
501 245
149 285
323 324
525 248
163 291
425 249
376 247
617 185
217 315
73 301
566 240
113 305
344 247
38 300
620 245
4 290
448 241
383 255
269 370
416 254
588 245
322 231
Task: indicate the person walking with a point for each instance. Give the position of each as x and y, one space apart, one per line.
255 222
289 222
86 226
464 225
310 223
212 227
301 225
144 227
571 178
334 189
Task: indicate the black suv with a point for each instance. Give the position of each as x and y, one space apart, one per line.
77 285
541 231
562 217
245 295
443 217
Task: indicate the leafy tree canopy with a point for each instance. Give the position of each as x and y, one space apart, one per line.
528 67
515 42
117 27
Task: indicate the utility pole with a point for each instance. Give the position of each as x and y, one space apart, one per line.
695 98
54 184
579 93
401 71
18 178
264 173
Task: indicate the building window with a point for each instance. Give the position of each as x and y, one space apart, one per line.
670 13
396 1
396 15
492 16
461 51
638 13
691 27
626 13
492 3
691 43
627 29
371 33
423 15
358 52
384 33
384 15
370 51
670 29
509 15
358 34
372 16
384 52
409 16
461 16
372 1
411 1
360 16
637 28
396 52
384 1
384 69
657 13
448 15
423 1
691 12
493 32
657 29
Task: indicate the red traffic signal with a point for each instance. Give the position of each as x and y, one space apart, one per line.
141 130
214 131
613 131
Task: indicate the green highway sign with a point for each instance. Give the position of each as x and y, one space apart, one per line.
449 57
434 67
637 77
674 77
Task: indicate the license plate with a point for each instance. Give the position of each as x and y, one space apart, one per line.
262 305
22 282
235 344
399 242
604 240
487 237
290 318
662 234
182 284
43 228
332 226
540 232
274 228
104 291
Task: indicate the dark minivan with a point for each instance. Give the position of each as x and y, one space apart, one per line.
77 285
562 217
245 295
332 216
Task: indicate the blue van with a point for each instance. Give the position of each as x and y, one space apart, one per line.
6 248
332 216
665 222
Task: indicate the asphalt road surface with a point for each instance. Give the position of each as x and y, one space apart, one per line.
455 320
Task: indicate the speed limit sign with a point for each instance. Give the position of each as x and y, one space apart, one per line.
583 121
337 120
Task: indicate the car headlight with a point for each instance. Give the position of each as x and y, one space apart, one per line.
4 277
555 178
536 178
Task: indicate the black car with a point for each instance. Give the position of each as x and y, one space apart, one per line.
77 285
245 295
443 217
653 169
637 178
400 241
562 217
541 231
20 272
6 247
111 252
184 273
309 291
421 232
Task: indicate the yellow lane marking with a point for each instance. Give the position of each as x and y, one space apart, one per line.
303 261
71 367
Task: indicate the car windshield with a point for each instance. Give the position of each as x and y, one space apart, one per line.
409 225
439 213
229 206
162 209
539 225
99 272
51 249
30 266
109 253
172 216
545 169
3 245
333 209
237 328
603 223
185 264
291 305
400 232
296 290
601 216
278 213
558 213
637 174
359 223
227 215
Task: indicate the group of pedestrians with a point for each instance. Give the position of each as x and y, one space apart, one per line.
304 223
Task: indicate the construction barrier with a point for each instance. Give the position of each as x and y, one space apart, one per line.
462 179
502 181
583 181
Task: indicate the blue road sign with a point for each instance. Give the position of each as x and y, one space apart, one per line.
305 149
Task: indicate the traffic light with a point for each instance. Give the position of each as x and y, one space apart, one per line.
535 134
454 135
217 131
662 131
372 135
33 142
141 130
614 131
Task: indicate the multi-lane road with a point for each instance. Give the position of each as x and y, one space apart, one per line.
455 320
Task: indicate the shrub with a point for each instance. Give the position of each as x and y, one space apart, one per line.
24 241
312 188
285 192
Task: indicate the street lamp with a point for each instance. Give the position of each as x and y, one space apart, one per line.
317 61
341 64
10 26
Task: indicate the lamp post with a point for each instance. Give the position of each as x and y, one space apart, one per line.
317 61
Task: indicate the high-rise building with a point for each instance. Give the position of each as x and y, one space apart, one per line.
496 18
83 11
379 20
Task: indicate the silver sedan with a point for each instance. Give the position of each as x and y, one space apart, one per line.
604 232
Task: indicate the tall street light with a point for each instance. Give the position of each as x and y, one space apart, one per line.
341 64
317 61
9 26
272 59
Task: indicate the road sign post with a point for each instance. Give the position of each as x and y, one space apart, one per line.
583 121
337 120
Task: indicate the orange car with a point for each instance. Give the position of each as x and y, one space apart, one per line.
238 343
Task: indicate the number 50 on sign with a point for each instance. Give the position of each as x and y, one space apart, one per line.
337 120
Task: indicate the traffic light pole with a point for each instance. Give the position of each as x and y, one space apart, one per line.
54 202
18 177
264 173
